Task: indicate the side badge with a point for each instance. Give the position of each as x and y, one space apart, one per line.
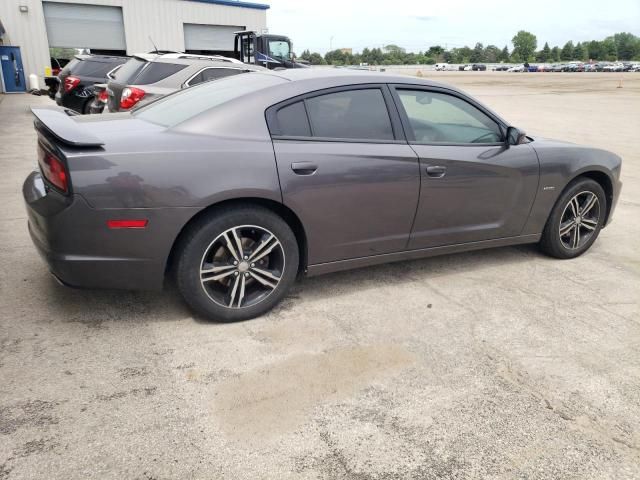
548 188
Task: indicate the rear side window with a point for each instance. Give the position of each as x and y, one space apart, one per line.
292 121
157 71
352 114
214 74
129 70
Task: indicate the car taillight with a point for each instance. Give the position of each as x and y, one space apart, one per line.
130 96
70 83
103 96
53 169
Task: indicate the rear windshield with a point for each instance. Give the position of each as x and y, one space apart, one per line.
69 66
91 68
157 71
186 104
129 70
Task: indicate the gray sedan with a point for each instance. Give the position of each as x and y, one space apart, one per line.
237 187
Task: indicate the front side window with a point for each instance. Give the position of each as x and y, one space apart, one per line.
351 114
441 118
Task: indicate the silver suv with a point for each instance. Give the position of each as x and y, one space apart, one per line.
146 77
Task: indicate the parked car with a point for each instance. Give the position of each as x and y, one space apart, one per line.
77 78
532 68
478 67
238 186
516 68
557 68
501 68
440 67
574 67
462 67
613 67
147 77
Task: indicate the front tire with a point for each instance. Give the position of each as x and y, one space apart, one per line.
237 264
576 220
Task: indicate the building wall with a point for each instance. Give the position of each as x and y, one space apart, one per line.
162 20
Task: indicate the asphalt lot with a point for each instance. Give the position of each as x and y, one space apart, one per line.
494 364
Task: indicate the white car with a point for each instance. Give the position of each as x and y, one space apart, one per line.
468 68
517 68
614 67
441 67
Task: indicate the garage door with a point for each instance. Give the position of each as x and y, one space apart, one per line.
209 37
84 26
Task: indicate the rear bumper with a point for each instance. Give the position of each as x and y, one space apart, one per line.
80 251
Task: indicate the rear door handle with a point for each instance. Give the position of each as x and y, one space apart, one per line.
436 171
304 168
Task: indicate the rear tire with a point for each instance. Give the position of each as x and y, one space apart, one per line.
576 220
236 264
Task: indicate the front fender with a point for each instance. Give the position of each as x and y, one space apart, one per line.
561 163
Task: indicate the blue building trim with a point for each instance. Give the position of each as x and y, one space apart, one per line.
233 3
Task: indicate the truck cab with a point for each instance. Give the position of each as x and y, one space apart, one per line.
270 51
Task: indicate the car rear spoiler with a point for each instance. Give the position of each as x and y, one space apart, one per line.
64 128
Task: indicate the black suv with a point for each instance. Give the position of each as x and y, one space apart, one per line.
76 80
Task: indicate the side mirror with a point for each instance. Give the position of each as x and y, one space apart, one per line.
515 136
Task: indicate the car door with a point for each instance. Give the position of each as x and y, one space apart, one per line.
346 171
473 186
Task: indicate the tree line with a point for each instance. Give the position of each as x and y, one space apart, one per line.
621 46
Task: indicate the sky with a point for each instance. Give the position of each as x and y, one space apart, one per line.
416 25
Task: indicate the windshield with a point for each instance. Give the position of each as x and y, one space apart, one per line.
186 104
279 49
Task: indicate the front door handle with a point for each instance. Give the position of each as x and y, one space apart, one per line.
436 171
304 168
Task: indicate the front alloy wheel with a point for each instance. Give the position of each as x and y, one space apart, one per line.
579 220
576 219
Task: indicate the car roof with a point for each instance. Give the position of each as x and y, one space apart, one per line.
186 58
347 76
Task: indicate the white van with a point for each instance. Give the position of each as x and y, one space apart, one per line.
441 66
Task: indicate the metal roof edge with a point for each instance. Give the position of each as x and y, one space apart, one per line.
235 3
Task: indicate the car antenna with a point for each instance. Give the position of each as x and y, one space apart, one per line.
154 45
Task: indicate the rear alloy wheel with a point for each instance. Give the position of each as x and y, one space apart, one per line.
238 264
242 267
575 221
